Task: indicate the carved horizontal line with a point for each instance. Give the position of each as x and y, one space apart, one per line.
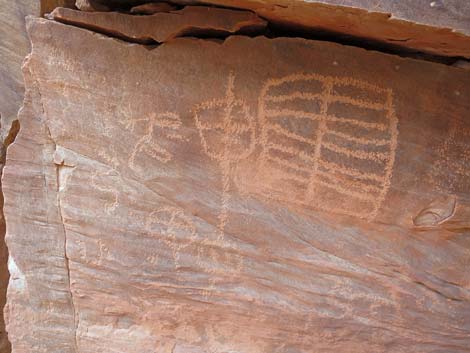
374 156
238 128
363 141
350 172
348 81
293 96
347 192
357 184
172 123
288 164
357 102
291 150
292 113
281 130
365 124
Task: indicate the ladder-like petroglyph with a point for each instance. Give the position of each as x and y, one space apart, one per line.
327 143
164 125
227 132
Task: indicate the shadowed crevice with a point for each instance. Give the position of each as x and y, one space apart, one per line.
5 346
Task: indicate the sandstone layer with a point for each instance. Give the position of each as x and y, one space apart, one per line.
252 195
438 27
152 8
161 27
14 45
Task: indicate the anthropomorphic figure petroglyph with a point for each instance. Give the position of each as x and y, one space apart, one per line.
227 132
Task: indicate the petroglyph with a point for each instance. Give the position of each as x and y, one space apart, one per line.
164 125
174 228
451 172
113 193
327 143
227 132
177 230
103 252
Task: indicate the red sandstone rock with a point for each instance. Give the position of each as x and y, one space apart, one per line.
255 195
152 8
14 45
439 27
162 27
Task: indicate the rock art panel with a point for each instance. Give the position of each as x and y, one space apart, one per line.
276 188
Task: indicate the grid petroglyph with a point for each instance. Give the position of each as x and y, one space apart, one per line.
333 140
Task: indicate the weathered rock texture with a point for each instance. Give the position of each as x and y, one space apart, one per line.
14 45
161 27
152 8
438 27
255 195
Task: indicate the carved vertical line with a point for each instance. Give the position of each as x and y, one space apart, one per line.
393 121
328 87
225 163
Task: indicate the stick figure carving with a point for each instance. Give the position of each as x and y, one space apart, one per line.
166 125
227 133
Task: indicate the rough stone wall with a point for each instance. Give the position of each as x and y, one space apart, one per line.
245 195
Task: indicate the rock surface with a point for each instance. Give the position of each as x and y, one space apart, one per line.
439 27
161 27
14 45
152 8
256 195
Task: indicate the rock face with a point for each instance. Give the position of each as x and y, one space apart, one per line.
14 45
252 195
161 27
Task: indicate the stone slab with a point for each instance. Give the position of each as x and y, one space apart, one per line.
161 27
252 195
